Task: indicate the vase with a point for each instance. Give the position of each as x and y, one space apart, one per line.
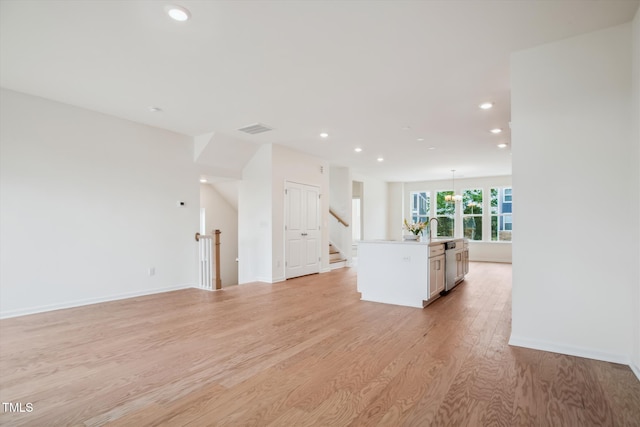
411 237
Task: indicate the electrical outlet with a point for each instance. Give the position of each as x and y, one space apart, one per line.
406 259
152 271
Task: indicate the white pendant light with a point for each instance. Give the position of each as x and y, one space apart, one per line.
452 198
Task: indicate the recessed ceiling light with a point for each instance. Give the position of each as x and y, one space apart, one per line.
496 130
203 180
420 139
155 109
324 135
380 159
432 148
357 149
178 13
486 105
503 145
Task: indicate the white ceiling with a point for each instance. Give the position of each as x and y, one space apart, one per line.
359 70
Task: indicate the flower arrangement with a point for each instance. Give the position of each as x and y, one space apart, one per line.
415 227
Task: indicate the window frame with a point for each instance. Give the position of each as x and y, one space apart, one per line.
479 217
415 210
451 216
504 195
503 192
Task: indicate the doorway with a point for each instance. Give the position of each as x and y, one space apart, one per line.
302 229
357 205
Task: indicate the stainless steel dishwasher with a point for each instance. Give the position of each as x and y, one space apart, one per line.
454 265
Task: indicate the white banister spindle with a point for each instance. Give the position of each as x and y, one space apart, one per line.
207 244
206 263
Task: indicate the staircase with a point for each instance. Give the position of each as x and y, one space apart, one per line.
336 259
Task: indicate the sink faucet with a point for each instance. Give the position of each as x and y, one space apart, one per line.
429 227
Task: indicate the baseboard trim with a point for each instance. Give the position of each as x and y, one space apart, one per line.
569 350
89 301
270 280
498 260
635 369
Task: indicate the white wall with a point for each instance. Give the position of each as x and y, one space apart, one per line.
340 196
255 246
294 166
635 228
261 210
396 211
478 251
88 205
575 256
374 207
220 215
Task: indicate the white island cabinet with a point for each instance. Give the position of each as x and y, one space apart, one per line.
399 273
436 270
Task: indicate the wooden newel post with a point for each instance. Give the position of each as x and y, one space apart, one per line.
217 233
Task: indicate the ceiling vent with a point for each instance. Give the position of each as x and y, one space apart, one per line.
255 128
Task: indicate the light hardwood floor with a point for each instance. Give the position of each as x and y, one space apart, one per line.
304 352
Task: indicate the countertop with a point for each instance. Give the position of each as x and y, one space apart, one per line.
433 242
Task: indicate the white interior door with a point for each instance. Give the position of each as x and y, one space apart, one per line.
302 229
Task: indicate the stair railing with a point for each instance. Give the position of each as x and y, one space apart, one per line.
208 248
336 216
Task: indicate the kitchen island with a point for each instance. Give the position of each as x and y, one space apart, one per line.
407 273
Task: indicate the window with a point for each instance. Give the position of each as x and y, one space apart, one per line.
472 214
444 212
483 215
506 195
420 206
501 210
